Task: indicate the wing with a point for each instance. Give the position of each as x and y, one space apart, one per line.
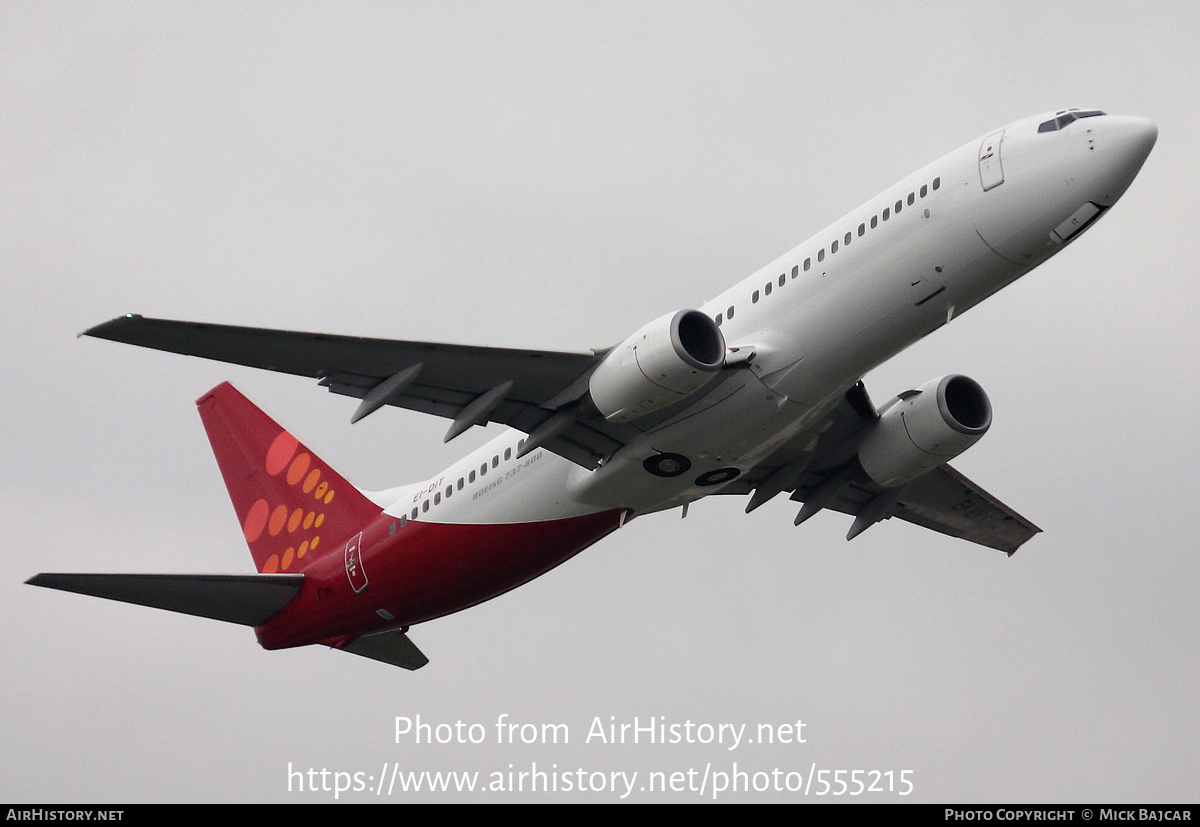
946 501
525 389
817 467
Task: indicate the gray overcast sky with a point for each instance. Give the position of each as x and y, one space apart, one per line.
553 176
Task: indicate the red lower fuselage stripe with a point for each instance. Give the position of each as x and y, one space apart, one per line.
421 571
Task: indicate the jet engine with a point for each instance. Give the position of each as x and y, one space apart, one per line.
924 428
671 358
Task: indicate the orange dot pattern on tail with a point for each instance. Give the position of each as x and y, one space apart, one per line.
287 527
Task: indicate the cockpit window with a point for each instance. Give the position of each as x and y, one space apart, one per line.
1055 124
1066 117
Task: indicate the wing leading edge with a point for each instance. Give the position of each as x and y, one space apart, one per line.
524 389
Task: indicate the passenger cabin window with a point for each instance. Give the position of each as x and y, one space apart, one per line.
767 288
821 255
924 190
796 270
862 229
911 198
833 246
807 264
754 296
874 221
937 182
718 320
886 212
782 279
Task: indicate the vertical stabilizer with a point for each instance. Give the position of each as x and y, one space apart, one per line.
292 506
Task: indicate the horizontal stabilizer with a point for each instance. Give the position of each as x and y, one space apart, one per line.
389 647
248 599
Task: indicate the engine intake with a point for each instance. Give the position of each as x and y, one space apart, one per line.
669 359
924 428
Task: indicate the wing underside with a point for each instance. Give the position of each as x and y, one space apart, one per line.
523 389
941 500
818 469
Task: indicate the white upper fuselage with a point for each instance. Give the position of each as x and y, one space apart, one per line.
824 314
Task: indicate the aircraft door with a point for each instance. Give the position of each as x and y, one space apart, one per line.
991 171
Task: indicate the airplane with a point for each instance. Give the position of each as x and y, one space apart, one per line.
756 393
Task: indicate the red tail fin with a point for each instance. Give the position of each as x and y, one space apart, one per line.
292 506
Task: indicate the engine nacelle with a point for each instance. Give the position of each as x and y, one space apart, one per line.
667 360
924 428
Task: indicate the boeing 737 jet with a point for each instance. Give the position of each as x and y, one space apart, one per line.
757 393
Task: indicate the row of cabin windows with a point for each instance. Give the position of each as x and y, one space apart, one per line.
458 486
836 243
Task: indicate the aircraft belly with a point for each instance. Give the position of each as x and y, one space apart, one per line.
728 437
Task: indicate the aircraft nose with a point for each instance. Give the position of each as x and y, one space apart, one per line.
1130 140
1136 137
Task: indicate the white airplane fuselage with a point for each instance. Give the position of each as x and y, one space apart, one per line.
823 315
817 319
798 336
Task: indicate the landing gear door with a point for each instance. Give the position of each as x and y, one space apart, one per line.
991 172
